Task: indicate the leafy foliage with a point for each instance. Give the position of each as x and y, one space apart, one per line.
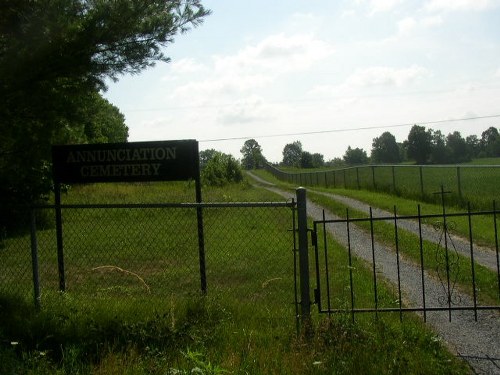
490 142
54 59
385 149
294 156
419 144
292 152
221 169
252 155
355 156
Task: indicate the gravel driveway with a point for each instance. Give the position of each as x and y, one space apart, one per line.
476 342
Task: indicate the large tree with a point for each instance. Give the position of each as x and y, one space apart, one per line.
385 149
457 147
419 144
306 160
318 160
440 154
55 57
473 145
355 156
252 155
490 142
292 153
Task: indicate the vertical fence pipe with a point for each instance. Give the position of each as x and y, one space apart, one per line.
373 178
201 240
459 185
305 301
317 291
473 271
393 178
496 245
421 181
447 254
297 321
34 260
350 262
422 261
396 239
373 261
326 264
59 237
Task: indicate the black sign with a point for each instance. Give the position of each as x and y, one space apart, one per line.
126 162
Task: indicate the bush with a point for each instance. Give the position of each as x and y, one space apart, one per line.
220 170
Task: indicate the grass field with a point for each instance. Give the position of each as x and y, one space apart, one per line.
483 232
144 313
474 182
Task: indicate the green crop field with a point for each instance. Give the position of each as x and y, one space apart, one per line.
475 182
133 303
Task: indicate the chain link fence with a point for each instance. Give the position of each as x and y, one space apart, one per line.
149 255
473 183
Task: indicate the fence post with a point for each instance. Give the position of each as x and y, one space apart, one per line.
393 178
421 181
373 178
59 238
459 184
305 298
34 260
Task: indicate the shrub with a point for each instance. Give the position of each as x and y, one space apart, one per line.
221 169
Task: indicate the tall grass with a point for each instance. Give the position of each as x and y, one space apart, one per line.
145 315
474 182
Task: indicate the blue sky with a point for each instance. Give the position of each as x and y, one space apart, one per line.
344 71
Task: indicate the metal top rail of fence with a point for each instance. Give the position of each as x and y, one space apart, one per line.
474 183
121 252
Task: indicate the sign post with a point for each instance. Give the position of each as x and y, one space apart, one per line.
127 162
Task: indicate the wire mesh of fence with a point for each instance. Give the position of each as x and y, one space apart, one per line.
122 255
473 183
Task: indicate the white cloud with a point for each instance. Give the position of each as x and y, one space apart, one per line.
460 5
221 85
383 5
406 25
186 65
386 76
243 111
497 73
277 53
432 21
251 68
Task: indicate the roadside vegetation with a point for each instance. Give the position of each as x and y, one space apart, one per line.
473 183
136 333
384 231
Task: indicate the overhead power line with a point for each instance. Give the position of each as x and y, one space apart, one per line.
350 129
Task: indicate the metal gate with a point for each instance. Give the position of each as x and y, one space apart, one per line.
413 263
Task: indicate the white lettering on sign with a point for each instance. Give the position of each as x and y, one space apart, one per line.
122 155
120 170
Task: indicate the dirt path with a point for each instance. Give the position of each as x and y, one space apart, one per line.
476 342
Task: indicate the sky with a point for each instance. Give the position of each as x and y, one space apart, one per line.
330 74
